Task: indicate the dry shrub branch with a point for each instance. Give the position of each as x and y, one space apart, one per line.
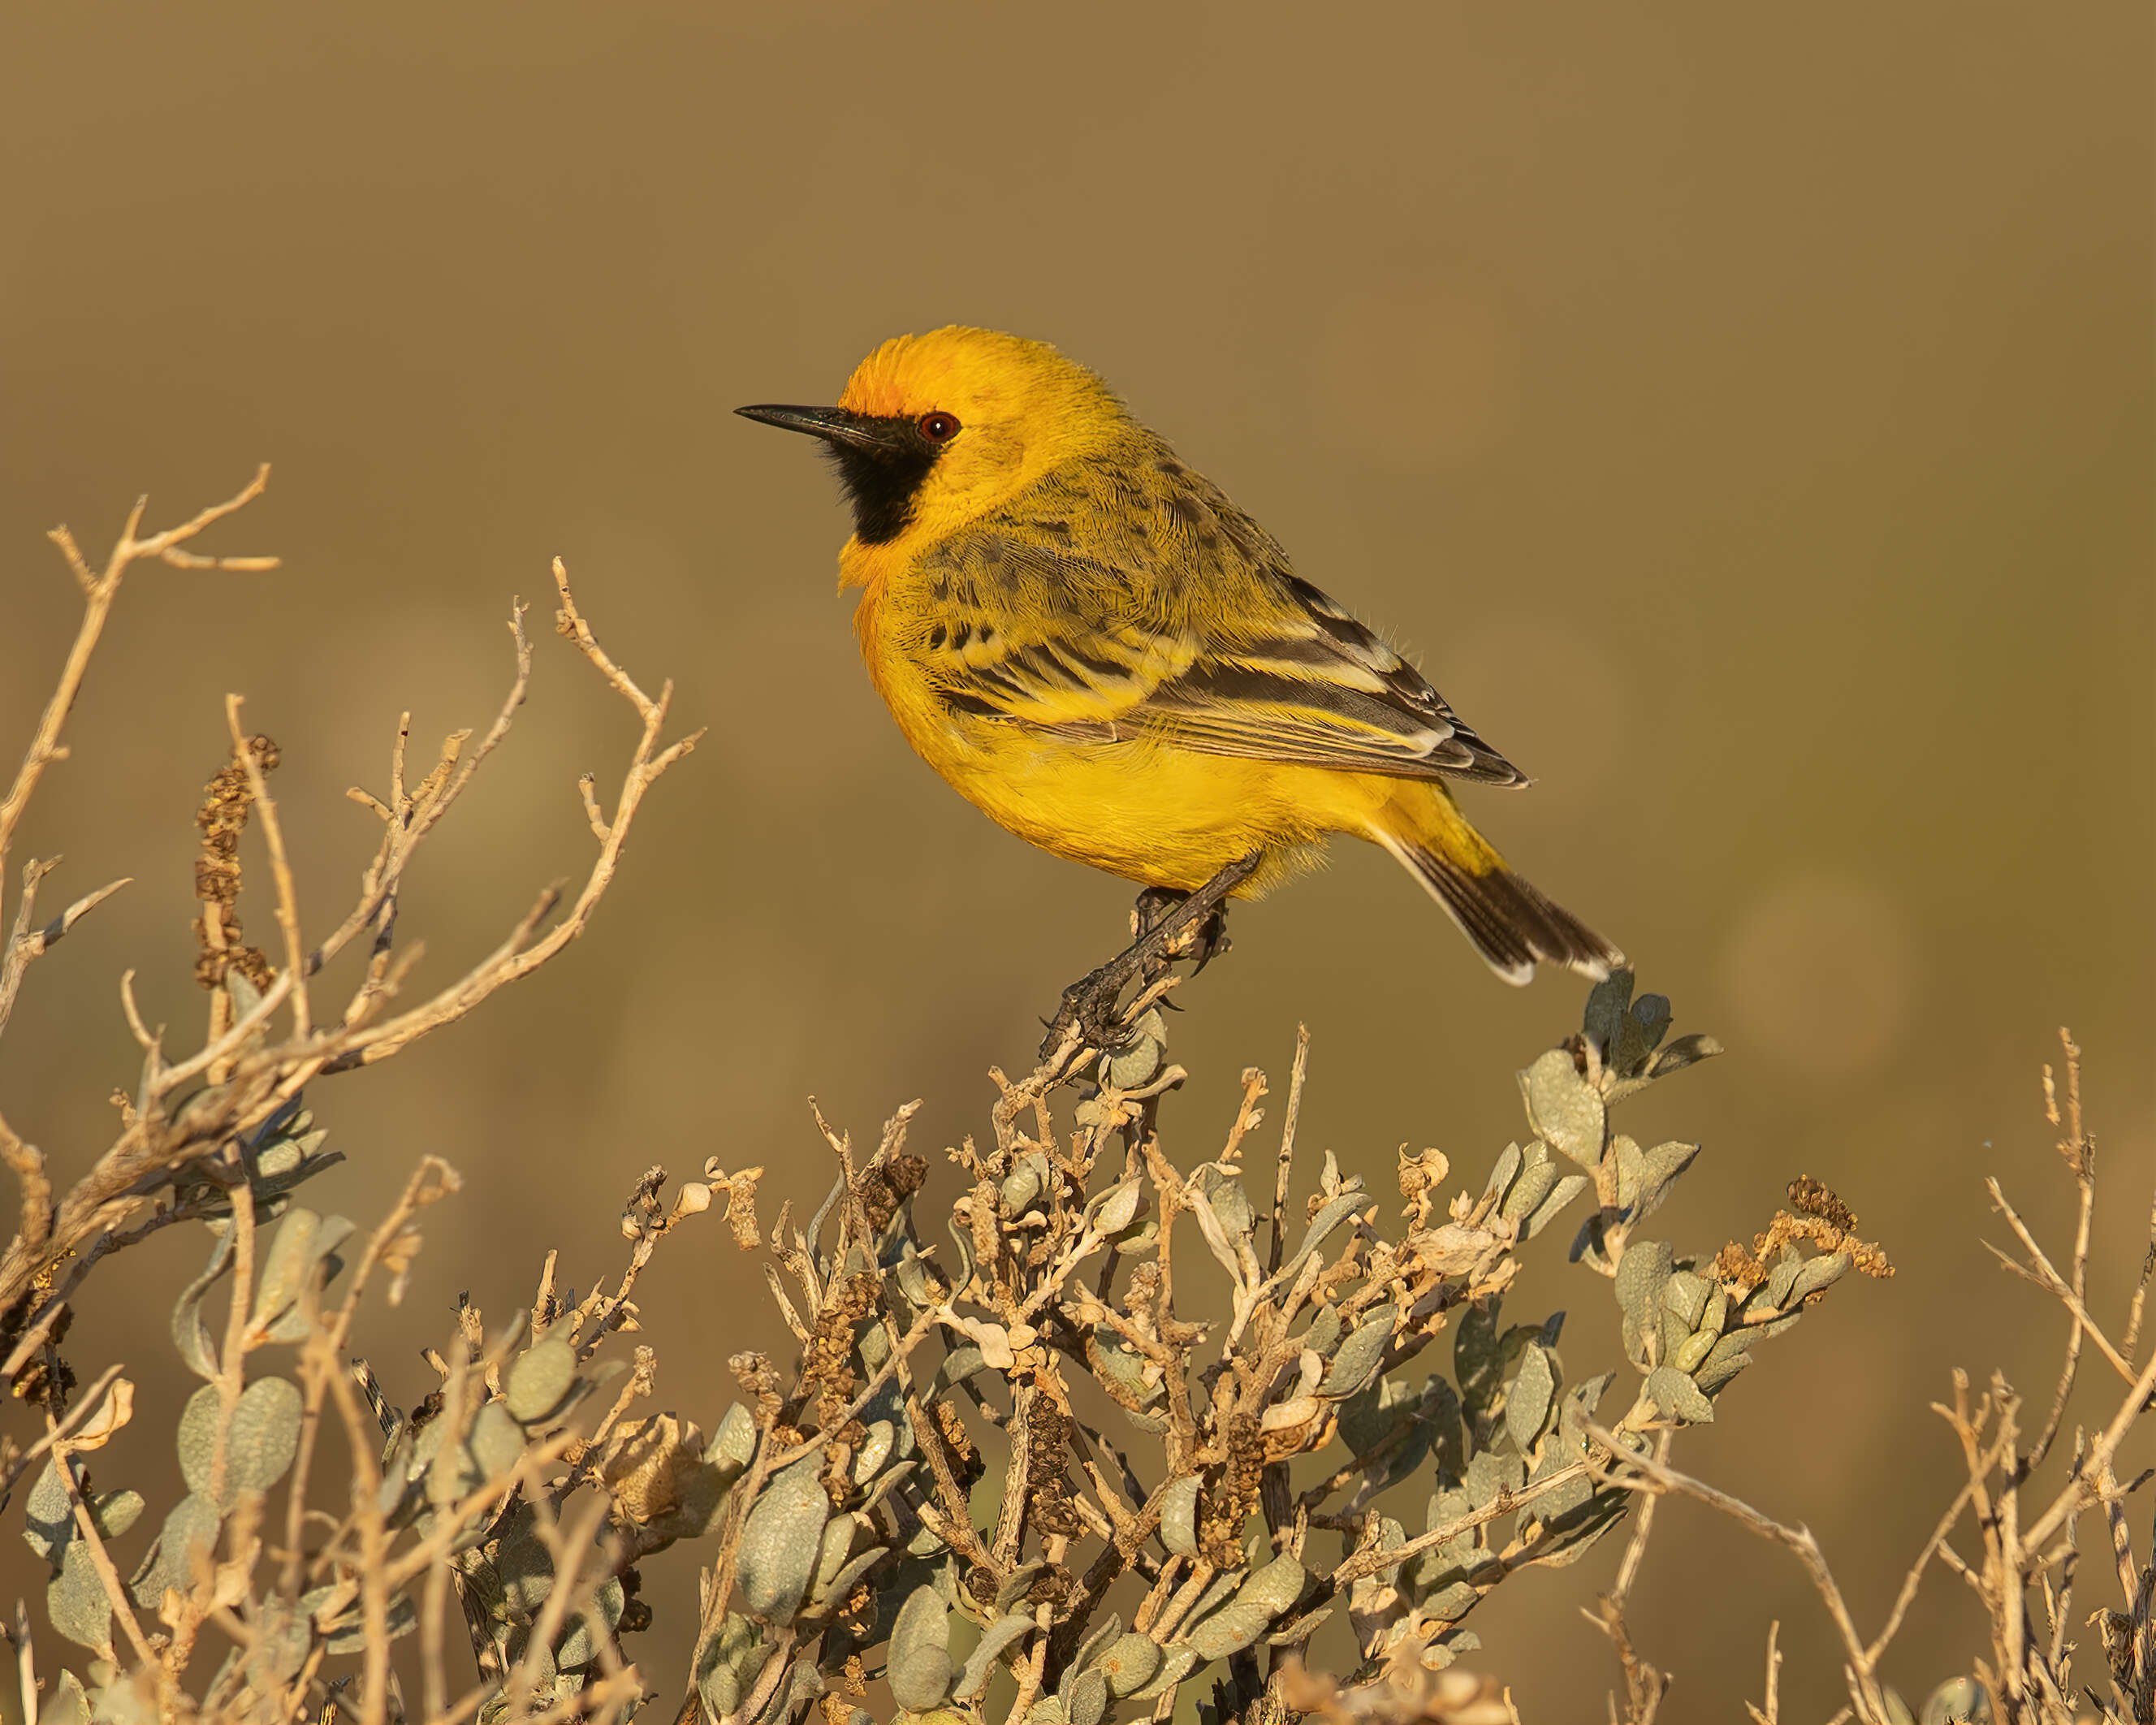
1077 1426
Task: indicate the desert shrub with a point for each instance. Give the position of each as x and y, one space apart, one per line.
1006 1474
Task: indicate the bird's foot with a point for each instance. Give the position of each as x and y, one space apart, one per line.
1088 1006
1203 941
1169 925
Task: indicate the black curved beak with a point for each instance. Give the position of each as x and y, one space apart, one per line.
836 425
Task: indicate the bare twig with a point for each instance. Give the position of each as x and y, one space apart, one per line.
26 943
99 591
1644 1685
261 1074
1646 1474
2080 1158
2039 1270
86 1529
1771 1713
1278 1233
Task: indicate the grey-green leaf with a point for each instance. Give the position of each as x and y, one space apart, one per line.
263 1437
1559 1200
1321 1224
1130 1664
497 1441
1685 1294
539 1379
191 1525
1503 1172
1274 1587
77 1602
1646 1264
1565 1109
48 1516
779 1545
303 1243
920 1658
734 1441
1357 1362
1227 1631
1659 1169
1298 1629
981 1663
877 1441
831 1559
1651 1012
189 1334
1678 1397
1605 1006
1477 1358
580 1647
1179 1516
1724 1360
956 1366
922 1621
1232 1205
1536 1180
116 1512
1180 1659
1528 1397
1367 1419
1087 1703
1685 1051
722 1665
1817 1274
1119 1207
1023 1184
842 1584
1956 1700
1135 1061
1017 1582
1104 1635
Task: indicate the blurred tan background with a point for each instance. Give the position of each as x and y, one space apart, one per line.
1743 413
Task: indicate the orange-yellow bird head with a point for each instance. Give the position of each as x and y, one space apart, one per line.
934 431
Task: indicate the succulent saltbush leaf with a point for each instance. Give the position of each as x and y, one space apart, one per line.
263 1437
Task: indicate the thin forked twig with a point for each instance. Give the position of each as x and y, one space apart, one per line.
2080 1158
1645 1474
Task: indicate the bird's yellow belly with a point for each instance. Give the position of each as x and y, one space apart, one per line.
1148 811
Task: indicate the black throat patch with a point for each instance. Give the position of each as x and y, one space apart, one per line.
882 481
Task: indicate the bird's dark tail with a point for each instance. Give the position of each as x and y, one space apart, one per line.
1512 926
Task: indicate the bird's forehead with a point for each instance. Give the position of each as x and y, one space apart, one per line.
960 371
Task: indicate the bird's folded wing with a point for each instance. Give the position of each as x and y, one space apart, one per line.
1293 680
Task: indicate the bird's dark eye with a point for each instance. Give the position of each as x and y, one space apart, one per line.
938 427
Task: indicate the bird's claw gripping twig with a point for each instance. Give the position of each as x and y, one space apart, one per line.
1204 940
1169 925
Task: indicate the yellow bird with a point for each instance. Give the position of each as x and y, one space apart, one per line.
1095 648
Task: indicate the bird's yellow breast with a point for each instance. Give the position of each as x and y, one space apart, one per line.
1138 806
